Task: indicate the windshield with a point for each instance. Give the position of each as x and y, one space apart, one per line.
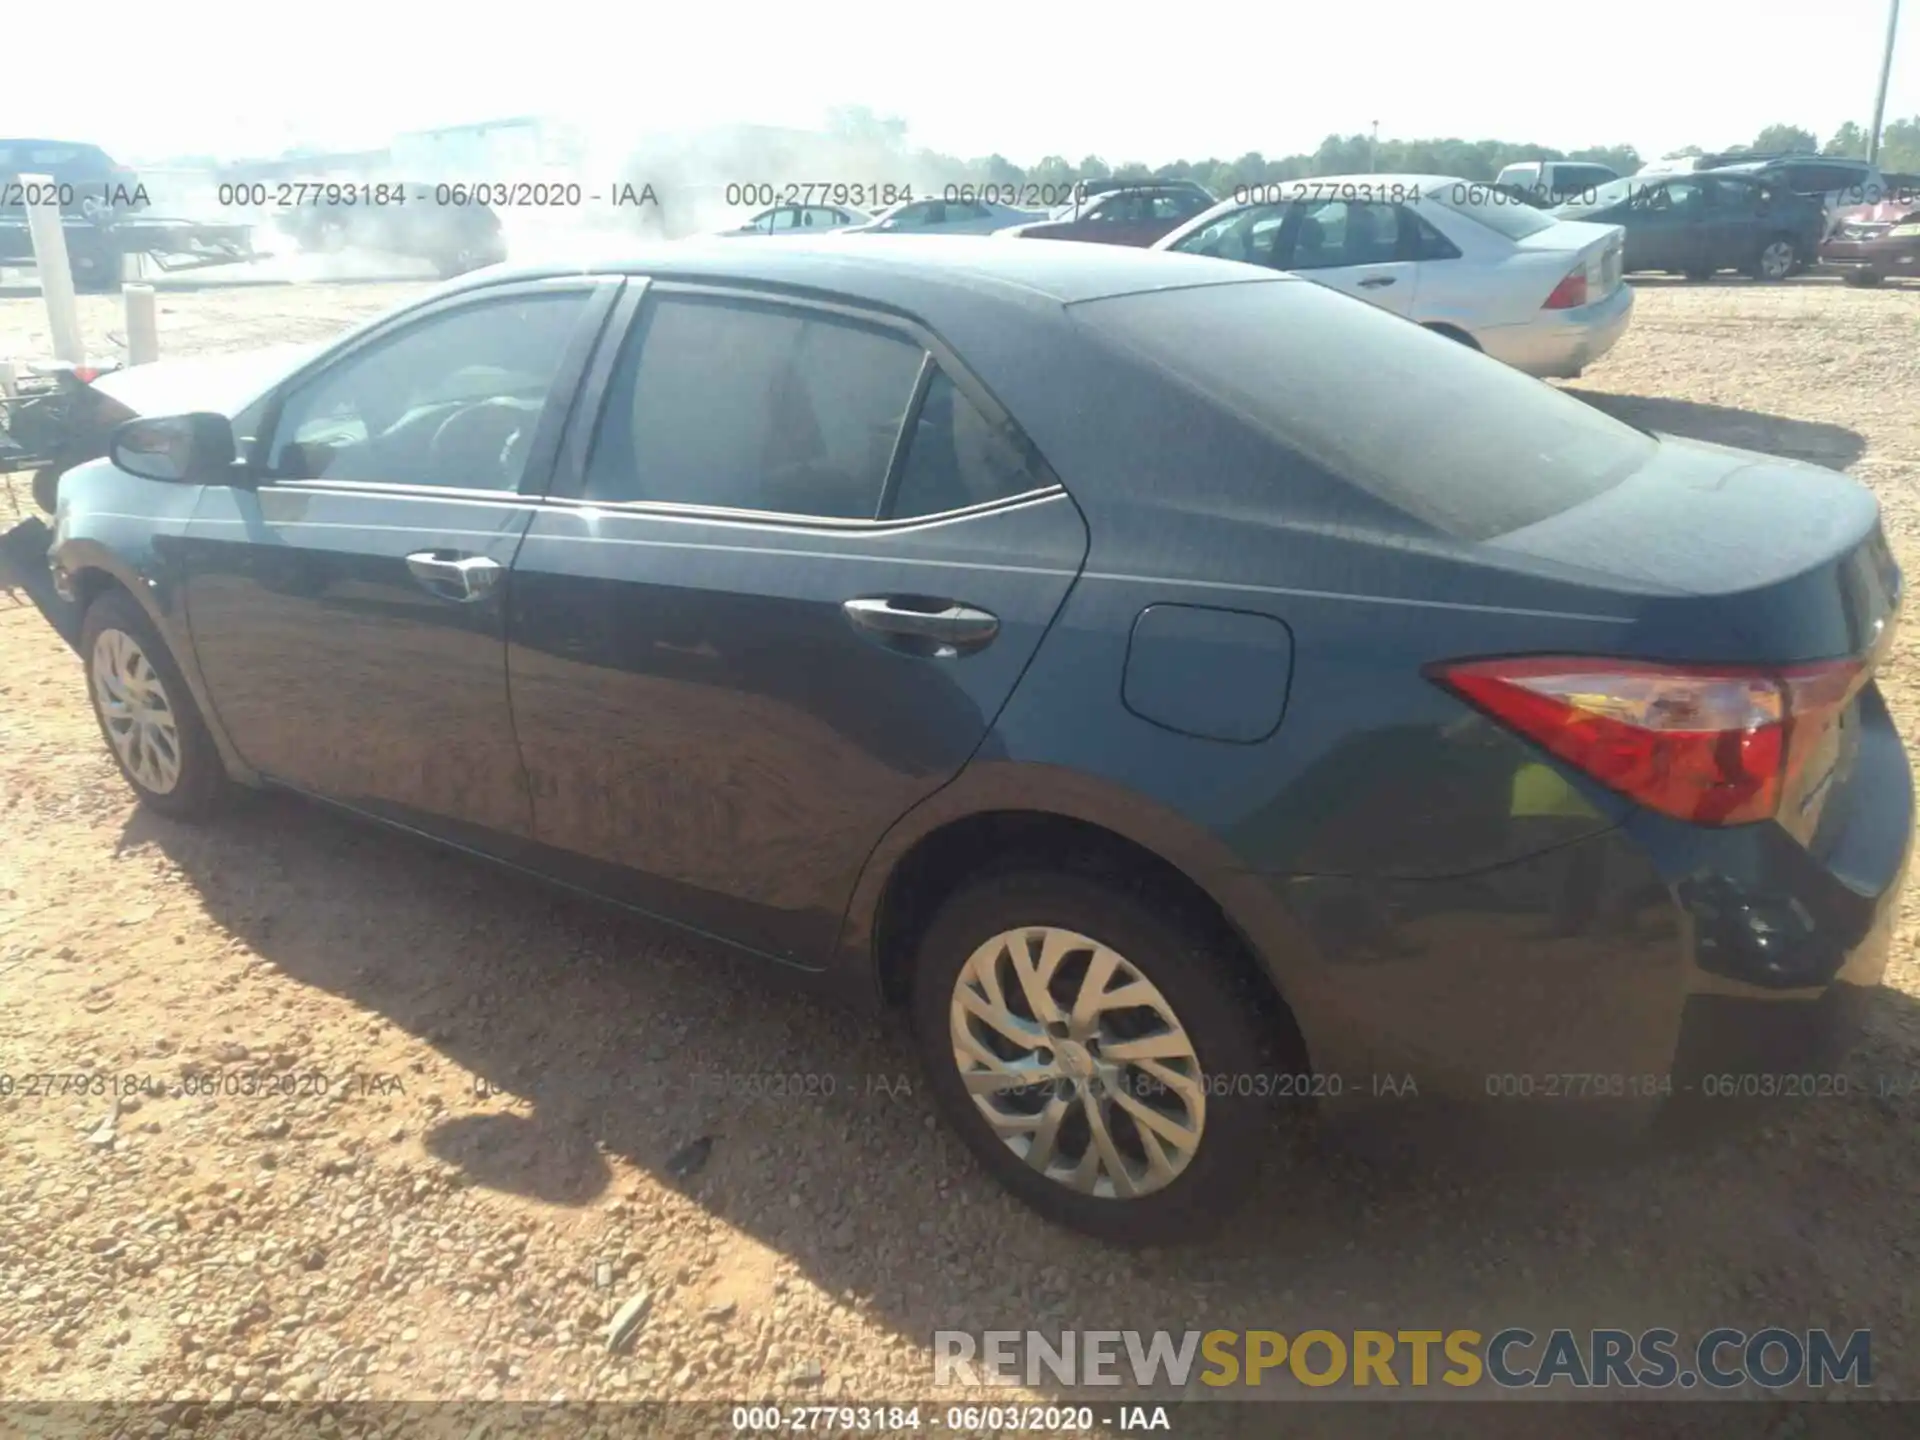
1502 213
1470 446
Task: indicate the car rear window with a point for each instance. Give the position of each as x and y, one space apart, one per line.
1486 206
1456 440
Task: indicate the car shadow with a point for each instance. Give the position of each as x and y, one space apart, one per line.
1815 442
1726 280
575 1037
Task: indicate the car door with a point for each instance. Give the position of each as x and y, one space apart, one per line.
778 602
348 610
1734 215
1353 246
1665 229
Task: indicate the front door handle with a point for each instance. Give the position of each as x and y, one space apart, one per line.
1374 282
921 626
453 576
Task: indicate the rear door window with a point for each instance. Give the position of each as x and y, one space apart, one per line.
745 405
959 457
1486 206
1460 442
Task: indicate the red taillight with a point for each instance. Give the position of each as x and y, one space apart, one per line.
85 374
1714 745
1570 293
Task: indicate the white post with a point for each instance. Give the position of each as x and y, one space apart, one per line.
6 378
50 257
143 328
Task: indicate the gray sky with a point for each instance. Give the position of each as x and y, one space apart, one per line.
1148 83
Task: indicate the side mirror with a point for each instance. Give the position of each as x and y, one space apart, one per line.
194 449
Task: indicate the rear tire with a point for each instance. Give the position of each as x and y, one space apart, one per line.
1698 276
147 714
1776 260
1193 1017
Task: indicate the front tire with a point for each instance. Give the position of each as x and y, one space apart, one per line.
147 714
1101 1060
1863 279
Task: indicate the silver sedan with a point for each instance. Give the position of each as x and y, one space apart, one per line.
946 217
801 220
1457 256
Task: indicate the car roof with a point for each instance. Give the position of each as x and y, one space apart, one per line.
921 273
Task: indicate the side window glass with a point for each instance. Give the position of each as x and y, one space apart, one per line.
958 457
1427 243
747 406
450 400
1334 233
786 218
1251 235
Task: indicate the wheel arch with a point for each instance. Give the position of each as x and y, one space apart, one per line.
93 569
1452 332
1007 816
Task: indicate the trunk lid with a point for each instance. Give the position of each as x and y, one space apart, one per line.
1730 558
1602 249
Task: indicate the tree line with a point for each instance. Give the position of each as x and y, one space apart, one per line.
1346 155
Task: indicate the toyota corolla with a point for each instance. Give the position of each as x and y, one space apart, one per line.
1172 686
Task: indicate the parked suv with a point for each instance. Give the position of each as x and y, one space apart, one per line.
1699 224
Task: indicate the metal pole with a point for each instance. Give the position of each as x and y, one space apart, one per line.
49 236
1880 96
143 330
1373 146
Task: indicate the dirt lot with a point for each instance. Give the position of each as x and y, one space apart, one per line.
512 1076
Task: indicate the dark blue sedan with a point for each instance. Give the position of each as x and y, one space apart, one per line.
1179 688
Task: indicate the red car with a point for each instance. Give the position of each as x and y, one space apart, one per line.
1871 242
1138 215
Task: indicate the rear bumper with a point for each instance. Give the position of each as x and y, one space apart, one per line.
1560 344
1652 971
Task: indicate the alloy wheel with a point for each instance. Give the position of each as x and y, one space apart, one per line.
1776 260
1078 1062
134 707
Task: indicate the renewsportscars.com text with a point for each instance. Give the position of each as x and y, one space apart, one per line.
1512 1358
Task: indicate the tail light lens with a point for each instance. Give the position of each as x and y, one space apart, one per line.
1570 293
1714 745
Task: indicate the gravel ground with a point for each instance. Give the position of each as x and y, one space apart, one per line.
514 1081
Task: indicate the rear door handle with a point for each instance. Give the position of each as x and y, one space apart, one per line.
453 576
1374 282
916 625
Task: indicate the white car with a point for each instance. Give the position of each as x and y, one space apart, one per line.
1457 256
945 217
1553 182
801 220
